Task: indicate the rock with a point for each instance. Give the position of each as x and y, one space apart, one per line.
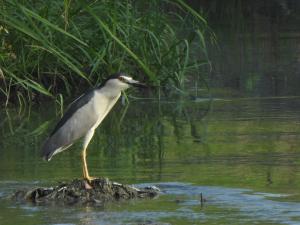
76 192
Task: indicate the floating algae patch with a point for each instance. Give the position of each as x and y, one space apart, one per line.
102 190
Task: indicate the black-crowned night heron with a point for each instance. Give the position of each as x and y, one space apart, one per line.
84 115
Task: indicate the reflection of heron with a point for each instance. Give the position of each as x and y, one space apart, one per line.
84 116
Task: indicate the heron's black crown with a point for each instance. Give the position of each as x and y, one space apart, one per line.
112 76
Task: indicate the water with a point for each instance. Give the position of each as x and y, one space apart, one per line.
241 154
258 51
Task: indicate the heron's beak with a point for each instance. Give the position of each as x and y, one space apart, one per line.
136 83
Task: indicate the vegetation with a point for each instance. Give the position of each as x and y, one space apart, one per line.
49 50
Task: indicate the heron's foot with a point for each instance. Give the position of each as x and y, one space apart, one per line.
88 182
87 185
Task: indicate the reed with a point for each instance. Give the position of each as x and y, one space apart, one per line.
49 50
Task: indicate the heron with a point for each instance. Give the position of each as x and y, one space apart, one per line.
84 115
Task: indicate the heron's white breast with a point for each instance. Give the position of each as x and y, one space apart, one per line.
102 104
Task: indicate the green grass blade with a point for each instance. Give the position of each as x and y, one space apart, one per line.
114 37
38 87
192 11
48 23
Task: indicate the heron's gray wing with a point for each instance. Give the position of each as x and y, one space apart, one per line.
75 123
74 106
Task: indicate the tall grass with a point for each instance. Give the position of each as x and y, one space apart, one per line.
52 49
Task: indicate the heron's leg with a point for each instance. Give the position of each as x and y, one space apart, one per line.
86 142
84 165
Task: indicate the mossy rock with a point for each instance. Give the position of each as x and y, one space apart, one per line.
76 192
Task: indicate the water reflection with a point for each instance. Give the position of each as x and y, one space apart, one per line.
258 46
232 151
179 203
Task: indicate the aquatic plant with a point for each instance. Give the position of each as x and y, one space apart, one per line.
52 49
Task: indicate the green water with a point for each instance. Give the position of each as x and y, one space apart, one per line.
243 155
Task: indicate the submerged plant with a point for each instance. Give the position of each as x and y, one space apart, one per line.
49 49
